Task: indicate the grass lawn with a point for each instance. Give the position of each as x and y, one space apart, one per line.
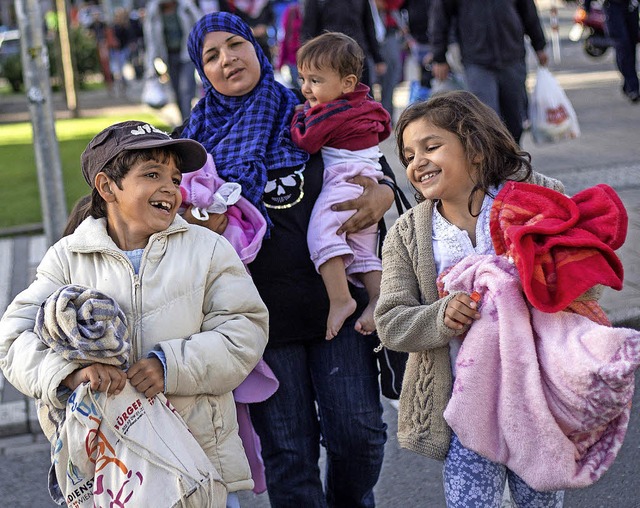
20 195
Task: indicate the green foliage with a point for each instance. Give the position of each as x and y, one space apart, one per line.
84 54
12 71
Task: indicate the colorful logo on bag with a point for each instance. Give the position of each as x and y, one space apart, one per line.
124 494
82 407
557 115
73 473
97 466
80 494
129 416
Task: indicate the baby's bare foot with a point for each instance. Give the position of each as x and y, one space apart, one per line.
365 323
339 311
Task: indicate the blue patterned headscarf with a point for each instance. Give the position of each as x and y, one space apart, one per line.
248 135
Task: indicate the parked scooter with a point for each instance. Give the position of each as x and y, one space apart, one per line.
593 24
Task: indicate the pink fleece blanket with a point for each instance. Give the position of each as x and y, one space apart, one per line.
260 384
548 395
245 230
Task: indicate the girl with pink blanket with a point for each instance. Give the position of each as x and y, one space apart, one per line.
458 155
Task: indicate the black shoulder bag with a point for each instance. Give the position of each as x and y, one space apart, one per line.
391 363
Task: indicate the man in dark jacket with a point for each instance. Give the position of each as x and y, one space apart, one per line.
622 23
351 17
491 37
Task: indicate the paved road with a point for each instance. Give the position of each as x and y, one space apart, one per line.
407 479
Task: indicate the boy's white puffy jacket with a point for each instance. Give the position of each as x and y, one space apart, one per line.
192 297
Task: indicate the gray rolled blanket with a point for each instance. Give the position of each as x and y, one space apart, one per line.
84 325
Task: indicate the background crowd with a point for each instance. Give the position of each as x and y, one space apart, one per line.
149 38
433 44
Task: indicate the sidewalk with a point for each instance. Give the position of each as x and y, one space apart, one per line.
15 108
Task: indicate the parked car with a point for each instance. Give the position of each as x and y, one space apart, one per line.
9 42
10 55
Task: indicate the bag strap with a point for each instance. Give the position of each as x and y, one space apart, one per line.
400 196
402 205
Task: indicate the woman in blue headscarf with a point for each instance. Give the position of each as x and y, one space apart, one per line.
327 388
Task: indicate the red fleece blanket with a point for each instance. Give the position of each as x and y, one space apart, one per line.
561 246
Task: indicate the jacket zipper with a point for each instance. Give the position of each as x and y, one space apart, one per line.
137 299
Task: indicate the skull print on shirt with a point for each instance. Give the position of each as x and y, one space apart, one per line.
285 188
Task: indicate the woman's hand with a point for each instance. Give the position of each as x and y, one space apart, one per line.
461 311
103 378
543 59
147 376
370 207
217 222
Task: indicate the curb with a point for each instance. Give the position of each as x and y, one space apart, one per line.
627 318
36 228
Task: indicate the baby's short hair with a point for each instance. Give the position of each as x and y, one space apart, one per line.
332 50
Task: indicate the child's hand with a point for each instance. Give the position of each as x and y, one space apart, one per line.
147 376
217 222
103 378
461 311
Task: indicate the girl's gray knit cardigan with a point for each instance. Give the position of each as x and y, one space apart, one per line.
410 317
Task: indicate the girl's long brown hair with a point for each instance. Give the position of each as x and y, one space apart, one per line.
483 135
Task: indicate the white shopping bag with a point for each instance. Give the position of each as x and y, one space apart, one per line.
552 116
127 450
154 93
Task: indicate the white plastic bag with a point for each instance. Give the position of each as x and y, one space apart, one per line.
129 450
154 93
552 116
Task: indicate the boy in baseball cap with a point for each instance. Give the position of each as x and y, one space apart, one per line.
115 155
196 323
136 135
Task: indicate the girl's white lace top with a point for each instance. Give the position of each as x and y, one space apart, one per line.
451 245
